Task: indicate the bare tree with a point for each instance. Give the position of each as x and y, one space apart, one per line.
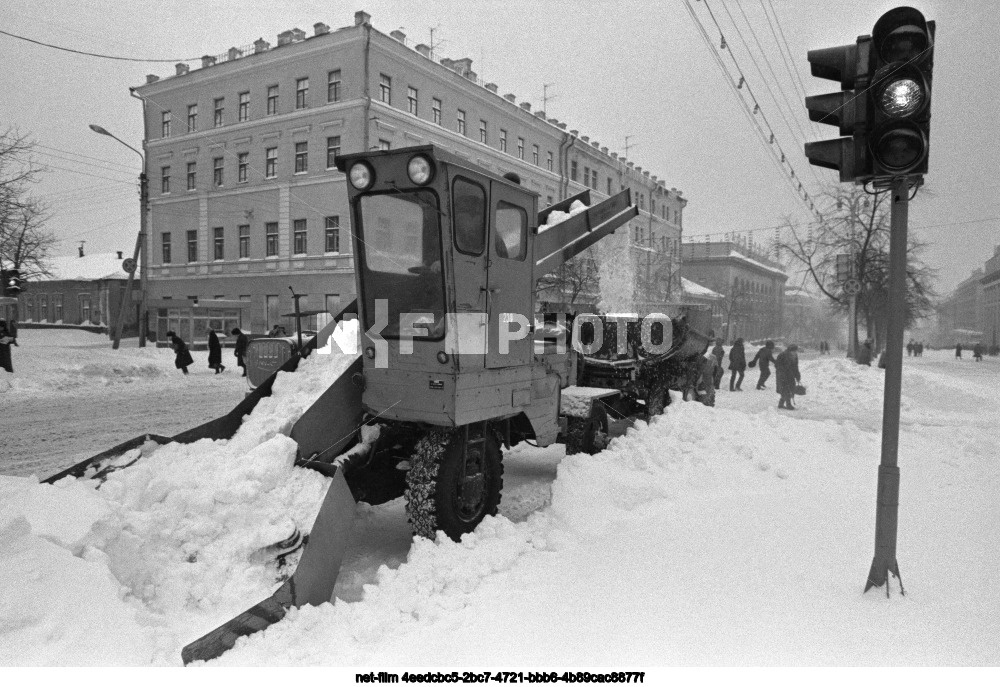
24 243
858 225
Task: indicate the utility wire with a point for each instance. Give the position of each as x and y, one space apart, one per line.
94 54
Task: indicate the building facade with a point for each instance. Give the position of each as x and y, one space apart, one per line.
752 286
990 282
84 290
245 200
961 315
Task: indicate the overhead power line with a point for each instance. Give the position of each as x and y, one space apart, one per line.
94 54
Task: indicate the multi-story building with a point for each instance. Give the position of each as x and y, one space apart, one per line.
960 315
990 282
752 286
245 198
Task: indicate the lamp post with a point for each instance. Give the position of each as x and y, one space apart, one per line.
140 249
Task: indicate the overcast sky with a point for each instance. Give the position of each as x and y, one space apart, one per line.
616 69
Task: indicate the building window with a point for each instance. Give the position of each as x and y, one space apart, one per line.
548 160
411 100
332 236
301 93
192 168
503 140
301 157
192 239
192 118
333 86
165 243
218 243
573 170
548 201
609 186
461 122
217 171
84 300
534 155
57 307
299 236
385 89
270 163
586 175
43 307
272 100
220 108
482 131
165 124
520 148
593 179
384 144
244 113
436 110
332 151
242 165
165 179
244 232
271 237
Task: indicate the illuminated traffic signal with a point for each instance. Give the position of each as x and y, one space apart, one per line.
900 93
848 109
12 283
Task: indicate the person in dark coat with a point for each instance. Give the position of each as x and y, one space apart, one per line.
719 353
215 352
737 365
12 331
182 357
977 352
765 356
709 368
786 370
5 341
865 354
958 350
242 340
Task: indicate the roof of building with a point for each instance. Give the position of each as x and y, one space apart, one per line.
690 288
94 267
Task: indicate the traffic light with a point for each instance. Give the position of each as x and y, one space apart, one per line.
13 284
848 109
900 93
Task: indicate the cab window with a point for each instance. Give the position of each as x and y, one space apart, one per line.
511 228
469 212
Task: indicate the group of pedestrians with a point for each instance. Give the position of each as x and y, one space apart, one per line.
183 358
824 348
708 373
914 348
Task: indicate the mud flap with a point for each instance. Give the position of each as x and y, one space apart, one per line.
312 583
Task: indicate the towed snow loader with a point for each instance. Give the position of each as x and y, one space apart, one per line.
452 367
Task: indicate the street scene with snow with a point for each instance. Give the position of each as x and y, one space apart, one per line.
426 400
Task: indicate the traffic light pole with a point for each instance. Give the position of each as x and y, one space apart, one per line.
887 512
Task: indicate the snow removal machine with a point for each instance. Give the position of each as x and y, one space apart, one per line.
454 364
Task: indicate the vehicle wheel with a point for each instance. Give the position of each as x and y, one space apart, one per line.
449 490
588 434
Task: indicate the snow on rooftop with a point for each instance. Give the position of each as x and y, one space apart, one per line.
87 268
692 289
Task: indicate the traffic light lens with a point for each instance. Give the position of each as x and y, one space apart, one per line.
904 44
899 149
901 98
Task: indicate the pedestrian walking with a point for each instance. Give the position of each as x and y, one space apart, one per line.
182 356
977 352
958 350
910 346
718 353
765 356
6 363
786 370
241 348
737 365
920 349
215 352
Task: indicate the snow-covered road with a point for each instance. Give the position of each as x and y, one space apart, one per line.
735 535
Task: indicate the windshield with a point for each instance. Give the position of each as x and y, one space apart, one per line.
400 259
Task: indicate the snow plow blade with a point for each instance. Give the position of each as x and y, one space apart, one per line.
312 583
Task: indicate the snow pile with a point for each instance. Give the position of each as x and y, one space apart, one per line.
557 216
616 272
167 544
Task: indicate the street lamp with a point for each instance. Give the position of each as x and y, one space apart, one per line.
140 249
